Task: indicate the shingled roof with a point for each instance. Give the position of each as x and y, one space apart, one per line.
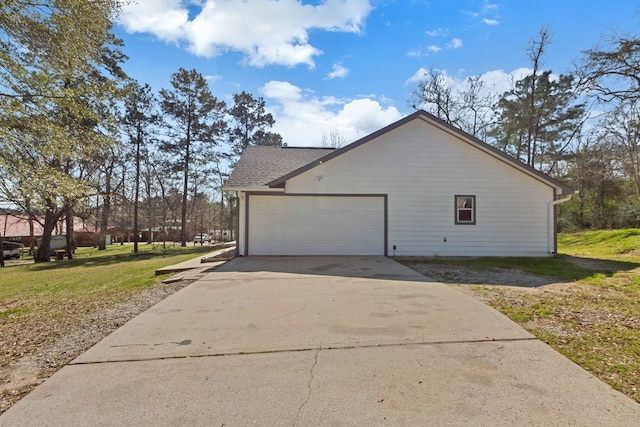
260 165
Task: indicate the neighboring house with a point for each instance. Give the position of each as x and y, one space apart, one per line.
16 228
418 187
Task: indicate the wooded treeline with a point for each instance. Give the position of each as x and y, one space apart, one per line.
79 138
582 127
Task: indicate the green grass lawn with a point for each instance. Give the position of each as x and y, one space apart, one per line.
618 245
39 301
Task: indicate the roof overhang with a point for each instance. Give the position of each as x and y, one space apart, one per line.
262 189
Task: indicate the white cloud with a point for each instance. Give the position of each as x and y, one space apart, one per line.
213 78
470 13
339 72
454 44
501 81
417 76
284 92
164 18
266 31
416 54
438 32
302 118
487 9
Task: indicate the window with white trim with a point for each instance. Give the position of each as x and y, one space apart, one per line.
465 209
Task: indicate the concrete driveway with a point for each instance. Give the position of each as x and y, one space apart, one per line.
321 341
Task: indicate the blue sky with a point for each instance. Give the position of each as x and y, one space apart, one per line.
349 66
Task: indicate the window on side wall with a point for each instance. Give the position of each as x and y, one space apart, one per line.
465 209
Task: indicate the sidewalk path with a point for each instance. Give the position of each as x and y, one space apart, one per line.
197 262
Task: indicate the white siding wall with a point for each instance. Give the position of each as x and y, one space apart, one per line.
240 238
421 168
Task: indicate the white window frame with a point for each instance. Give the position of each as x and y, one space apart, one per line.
458 209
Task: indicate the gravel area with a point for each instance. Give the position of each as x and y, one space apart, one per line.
494 276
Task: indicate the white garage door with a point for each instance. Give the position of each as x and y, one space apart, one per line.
316 225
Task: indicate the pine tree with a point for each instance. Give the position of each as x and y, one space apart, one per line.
195 119
250 122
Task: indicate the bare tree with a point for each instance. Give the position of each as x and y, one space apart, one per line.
535 50
333 139
613 72
467 105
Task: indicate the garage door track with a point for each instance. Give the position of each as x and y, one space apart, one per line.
321 341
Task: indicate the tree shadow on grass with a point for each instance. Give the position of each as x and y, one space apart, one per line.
104 260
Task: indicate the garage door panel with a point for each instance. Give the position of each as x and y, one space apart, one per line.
316 225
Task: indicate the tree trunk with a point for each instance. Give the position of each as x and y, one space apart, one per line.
151 218
32 239
42 255
106 212
185 189
136 196
1 251
70 237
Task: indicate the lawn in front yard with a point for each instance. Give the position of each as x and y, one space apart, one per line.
38 300
585 303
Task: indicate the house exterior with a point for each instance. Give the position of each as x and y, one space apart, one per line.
16 228
418 187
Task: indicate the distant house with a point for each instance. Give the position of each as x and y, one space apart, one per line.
418 187
15 227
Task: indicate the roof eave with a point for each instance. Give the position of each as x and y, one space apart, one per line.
248 189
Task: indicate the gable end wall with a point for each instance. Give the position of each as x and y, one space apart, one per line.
421 168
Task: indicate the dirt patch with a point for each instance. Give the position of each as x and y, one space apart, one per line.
494 276
34 363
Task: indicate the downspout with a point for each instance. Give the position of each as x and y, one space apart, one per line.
551 222
242 207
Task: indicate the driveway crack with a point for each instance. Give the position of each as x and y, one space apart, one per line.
311 377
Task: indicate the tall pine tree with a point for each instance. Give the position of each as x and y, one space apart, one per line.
250 123
195 119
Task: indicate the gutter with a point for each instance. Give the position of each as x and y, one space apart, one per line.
262 189
551 229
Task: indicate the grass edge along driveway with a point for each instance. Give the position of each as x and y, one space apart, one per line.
43 305
588 307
